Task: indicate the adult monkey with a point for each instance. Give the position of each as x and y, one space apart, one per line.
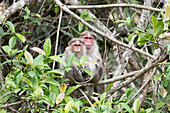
92 50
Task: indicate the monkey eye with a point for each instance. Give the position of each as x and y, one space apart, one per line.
77 45
86 37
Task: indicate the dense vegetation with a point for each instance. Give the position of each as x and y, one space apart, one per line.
133 42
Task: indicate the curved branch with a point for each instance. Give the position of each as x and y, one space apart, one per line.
113 5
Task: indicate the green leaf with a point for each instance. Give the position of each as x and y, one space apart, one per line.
136 105
83 59
19 78
32 73
129 92
47 47
165 82
58 59
131 35
156 77
11 26
102 97
108 88
51 81
88 72
38 60
12 41
126 107
80 26
7 49
57 71
26 80
70 59
71 89
159 105
11 83
21 37
155 22
28 57
52 96
168 48
138 29
158 28
128 20
35 20
2 111
121 24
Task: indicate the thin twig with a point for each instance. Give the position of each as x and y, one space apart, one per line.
56 44
41 6
7 105
86 97
113 5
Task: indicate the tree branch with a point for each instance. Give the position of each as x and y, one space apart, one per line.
113 5
140 73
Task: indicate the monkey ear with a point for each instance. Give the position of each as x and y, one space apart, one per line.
69 43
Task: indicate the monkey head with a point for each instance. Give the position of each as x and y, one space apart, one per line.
89 38
76 45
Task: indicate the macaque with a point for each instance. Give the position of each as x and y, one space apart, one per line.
92 50
2 8
76 46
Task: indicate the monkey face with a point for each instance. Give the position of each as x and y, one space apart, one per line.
77 47
88 41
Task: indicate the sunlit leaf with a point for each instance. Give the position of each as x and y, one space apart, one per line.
51 81
56 71
159 105
71 89
167 12
7 49
156 77
154 21
58 59
136 105
68 106
70 60
28 57
83 59
88 72
62 87
127 107
11 26
21 37
12 41
47 47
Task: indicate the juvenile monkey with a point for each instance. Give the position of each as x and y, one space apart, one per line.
76 46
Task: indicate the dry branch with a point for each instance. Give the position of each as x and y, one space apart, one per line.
112 6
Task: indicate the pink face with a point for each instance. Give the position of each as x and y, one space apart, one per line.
88 40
